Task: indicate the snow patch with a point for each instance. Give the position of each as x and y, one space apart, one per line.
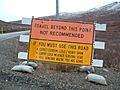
115 7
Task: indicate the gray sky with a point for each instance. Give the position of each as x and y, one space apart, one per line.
11 10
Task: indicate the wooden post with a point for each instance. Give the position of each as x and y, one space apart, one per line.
2 29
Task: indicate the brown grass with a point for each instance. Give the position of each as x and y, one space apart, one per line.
110 54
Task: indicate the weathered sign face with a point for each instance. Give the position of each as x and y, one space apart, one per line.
59 41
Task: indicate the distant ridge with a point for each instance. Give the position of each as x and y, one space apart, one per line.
2 22
6 27
16 22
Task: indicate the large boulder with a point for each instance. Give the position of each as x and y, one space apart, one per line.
23 68
33 64
96 78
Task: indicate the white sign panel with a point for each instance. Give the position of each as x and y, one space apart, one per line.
22 55
26 21
100 27
99 45
97 63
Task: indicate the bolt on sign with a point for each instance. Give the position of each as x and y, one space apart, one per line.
60 41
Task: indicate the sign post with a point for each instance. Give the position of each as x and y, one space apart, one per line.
62 42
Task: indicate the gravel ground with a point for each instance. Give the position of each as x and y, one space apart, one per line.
45 77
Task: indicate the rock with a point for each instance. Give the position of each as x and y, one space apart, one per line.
23 68
96 78
33 64
87 69
105 70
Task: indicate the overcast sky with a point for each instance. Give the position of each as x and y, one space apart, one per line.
11 10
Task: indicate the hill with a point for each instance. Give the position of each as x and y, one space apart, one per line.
12 26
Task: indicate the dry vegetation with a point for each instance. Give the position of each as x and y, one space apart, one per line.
6 27
110 54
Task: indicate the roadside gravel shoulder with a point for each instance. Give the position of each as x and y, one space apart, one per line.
44 78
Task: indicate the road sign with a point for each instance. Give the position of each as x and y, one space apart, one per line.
62 31
59 41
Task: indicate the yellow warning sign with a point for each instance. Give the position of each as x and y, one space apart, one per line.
64 52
